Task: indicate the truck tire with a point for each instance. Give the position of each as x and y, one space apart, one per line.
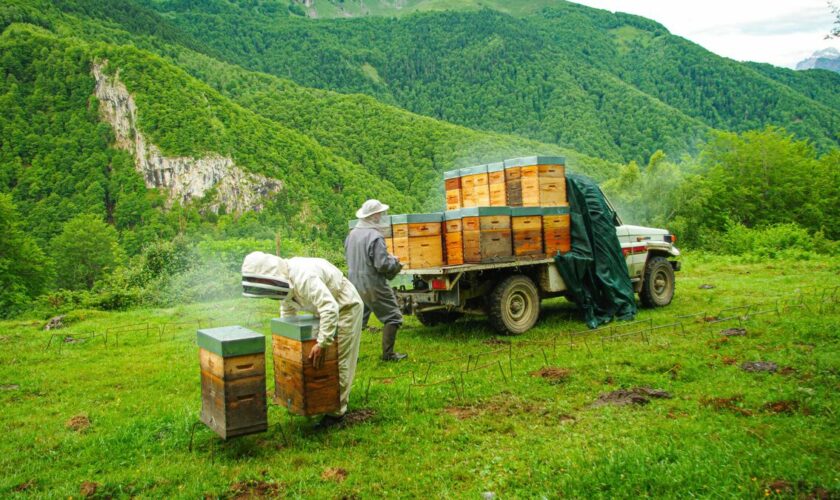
658 283
514 305
432 318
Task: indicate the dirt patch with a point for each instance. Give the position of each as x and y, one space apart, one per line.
553 374
386 381
706 286
787 370
567 419
727 360
727 404
759 366
55 323
9 387
787 407
357 416
88 489
675 414
79 423
254 488
336 474
463 412
805 491
734 332
707 319
25 486
504 404
636 396
496 342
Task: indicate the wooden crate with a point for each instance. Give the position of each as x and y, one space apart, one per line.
553 169
452 182
401 251
232 361
454 237
557 230
475 188
527 231
298 385
422 245
496 183
536 181
513 185
530 186
486 234
552 191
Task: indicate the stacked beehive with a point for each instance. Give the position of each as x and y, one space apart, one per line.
508 210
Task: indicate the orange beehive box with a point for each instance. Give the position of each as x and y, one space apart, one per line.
497 186
527 231
475 187
536 181
454 237
452 181
422 244
486 233
557 230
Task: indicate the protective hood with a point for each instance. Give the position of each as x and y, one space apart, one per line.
265 276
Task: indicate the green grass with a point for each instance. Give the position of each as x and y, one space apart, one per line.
517 436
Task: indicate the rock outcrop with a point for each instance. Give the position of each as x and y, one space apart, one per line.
184 178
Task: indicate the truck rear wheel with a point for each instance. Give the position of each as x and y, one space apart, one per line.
514 305
432 318
658 284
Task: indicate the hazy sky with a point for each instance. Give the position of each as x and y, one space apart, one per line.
780 32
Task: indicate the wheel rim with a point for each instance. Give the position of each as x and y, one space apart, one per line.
519 307
661 283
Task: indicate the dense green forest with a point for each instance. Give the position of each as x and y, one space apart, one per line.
674 146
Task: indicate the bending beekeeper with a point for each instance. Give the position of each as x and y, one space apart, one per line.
318 287
369 269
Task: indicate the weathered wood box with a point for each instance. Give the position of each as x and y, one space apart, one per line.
535 181
475 187
298 385
496 183
232 361
452 182
418 240
453 237
486 234
557 230
527 231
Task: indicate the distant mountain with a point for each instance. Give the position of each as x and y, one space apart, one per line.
822 59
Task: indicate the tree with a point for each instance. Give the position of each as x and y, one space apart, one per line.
24 269
84 252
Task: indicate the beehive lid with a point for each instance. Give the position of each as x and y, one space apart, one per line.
304 327
556 210
230 341
452 174
496 167
424 218
478 169
399 219
352 223
482 211
526 211
452 214
527 161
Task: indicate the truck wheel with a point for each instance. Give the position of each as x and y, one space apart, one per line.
432 318
514 305
658 284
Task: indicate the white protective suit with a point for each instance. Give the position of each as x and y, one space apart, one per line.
318 287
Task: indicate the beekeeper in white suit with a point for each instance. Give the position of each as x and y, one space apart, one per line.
318 287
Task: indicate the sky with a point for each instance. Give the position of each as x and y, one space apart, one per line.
779 32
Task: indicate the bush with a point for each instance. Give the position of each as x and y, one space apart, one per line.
778 240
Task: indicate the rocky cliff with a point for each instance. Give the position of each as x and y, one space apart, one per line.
184 178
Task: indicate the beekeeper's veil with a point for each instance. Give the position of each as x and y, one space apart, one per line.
265 276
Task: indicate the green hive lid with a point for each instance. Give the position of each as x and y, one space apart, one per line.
452 174
452 214
230 341
304 327
555 210
526 211
479 169
482 211
399 219
353 223
425 218
527 161
496 167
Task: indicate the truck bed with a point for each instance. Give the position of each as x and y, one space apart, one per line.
443 270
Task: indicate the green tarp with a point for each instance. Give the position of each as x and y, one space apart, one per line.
594 270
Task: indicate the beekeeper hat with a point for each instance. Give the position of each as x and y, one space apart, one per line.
265 276
371 207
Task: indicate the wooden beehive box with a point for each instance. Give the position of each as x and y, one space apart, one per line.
513 184
452 182
527 231
422 244
453 237
486 234
298 385
496 183
540 179
557 236
475 188
232 361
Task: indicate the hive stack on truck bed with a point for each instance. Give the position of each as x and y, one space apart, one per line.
418 239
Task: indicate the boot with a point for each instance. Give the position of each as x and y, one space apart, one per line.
389 336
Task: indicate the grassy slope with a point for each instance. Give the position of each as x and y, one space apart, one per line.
523 437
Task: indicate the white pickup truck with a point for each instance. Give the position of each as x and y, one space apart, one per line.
510 293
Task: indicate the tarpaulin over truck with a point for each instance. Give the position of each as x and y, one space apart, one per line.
595 271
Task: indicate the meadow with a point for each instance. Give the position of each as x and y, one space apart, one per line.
106 407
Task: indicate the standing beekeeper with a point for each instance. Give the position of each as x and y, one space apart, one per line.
369 269
315 286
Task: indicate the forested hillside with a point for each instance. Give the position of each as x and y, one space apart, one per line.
609 85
